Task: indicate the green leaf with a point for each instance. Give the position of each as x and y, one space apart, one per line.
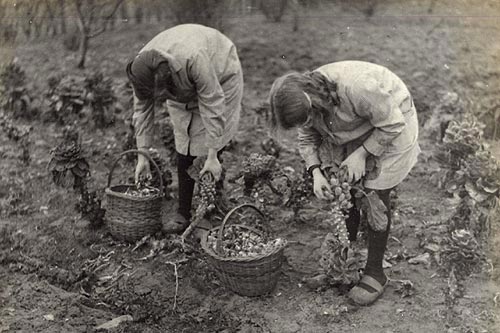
375 211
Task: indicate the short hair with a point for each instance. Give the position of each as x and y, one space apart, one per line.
146 71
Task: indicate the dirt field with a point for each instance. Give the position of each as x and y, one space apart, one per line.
58 275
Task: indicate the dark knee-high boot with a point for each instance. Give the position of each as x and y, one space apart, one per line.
186 184
377 243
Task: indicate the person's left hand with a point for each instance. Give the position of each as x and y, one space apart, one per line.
213 166
355 164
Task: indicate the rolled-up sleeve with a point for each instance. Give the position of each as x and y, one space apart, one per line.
376 104
309 142
143 121
211 101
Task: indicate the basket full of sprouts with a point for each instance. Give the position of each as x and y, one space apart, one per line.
247 259
133 210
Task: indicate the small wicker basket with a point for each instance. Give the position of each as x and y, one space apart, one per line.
131 218
247 276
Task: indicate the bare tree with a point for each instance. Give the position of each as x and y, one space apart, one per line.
62 16
158 10
294 6
38 19
8 23
51 27
207 12
139 12
366 7
273 9
28 11
92 17
124 12
432 5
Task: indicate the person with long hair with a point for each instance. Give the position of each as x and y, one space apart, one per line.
348 113
197 70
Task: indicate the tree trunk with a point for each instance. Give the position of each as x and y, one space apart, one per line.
84 46
431 7
139 13
51 26
27 28
158 12
16 20
124 11
62 17
38 23
294 6
36 18
295 22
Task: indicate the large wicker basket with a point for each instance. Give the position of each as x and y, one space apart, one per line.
247 276
131 218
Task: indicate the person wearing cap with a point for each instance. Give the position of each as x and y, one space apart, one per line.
197 70
352 114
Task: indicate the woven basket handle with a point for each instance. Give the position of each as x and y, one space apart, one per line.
226 218
110 176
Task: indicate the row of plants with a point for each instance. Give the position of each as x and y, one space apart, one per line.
471 176
66 99
16 94
20 135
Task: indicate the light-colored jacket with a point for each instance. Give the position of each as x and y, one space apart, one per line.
208 85
376 110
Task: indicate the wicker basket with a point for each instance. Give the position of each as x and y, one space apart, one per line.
131 218
247 276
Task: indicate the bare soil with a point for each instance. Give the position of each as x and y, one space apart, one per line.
59 275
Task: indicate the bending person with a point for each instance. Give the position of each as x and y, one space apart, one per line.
347 112
198 70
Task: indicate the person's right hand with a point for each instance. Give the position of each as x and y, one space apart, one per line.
142 168
321 186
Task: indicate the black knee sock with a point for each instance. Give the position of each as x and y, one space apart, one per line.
186 184
377 243
352 221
